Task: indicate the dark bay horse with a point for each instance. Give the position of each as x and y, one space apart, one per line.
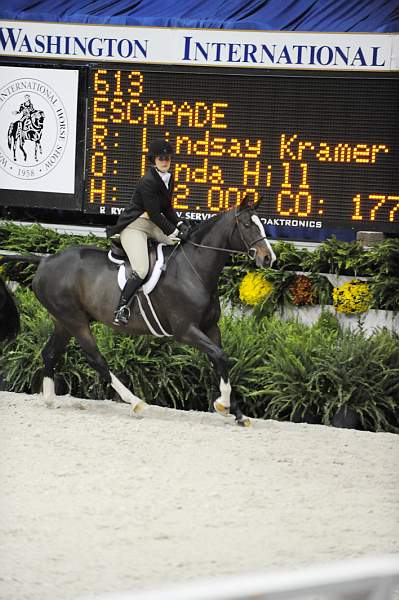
9 315
79 285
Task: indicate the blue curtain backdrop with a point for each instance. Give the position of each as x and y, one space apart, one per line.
297 15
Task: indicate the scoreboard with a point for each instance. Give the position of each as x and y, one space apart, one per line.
321 151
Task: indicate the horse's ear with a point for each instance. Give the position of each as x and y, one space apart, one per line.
247 202
258 202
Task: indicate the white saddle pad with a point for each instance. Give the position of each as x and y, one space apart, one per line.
154 277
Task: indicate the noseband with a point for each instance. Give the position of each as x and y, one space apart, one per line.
251 251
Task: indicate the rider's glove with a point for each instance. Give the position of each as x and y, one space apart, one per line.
174 236
184 229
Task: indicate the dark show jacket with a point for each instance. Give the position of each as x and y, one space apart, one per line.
150 196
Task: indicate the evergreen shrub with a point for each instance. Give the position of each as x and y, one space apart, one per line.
279 370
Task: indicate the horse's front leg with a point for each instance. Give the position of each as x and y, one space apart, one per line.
227 402
210 343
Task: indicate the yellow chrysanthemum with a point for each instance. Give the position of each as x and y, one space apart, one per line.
352 297
254 288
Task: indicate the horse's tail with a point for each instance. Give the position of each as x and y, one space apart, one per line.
34 259
9 314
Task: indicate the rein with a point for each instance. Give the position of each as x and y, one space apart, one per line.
249 249
216 248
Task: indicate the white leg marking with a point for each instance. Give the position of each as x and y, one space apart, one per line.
222 404
225 391
138 405
259 223
48 391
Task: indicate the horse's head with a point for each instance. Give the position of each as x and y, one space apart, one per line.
37 118
251 234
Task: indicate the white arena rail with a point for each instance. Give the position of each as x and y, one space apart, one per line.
354 579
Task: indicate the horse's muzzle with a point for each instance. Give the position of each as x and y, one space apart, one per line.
263 257
260 258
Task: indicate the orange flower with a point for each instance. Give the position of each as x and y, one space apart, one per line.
301 291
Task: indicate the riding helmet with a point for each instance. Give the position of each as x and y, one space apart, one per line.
159 148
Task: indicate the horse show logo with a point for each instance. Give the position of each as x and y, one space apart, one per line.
33 128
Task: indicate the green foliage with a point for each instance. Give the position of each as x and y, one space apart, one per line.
384 258
21 358
280 370
42 240
385 291
328 322
381 263
322 287
362 374
293 385
335 256
289 257
281 281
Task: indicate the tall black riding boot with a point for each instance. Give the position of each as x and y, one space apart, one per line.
122 312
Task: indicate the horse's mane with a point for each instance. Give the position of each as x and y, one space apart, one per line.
200 230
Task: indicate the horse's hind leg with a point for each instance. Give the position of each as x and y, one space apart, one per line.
52 353
81 331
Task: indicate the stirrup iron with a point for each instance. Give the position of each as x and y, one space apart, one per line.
122 315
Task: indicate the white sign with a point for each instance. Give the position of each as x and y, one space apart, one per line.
38 129
199 47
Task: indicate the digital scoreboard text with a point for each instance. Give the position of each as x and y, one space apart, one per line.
320 151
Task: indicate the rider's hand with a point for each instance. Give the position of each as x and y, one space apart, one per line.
174 236
184 229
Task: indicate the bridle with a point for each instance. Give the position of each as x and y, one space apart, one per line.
249 248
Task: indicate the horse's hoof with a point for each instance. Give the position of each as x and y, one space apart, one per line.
244 421
221 409
139 408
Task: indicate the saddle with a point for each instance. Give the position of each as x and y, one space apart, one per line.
156 252
118 256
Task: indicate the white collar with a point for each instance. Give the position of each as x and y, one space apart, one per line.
164 176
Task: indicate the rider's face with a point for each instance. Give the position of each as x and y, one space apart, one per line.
162 163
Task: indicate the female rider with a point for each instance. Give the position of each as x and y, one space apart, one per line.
149 215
